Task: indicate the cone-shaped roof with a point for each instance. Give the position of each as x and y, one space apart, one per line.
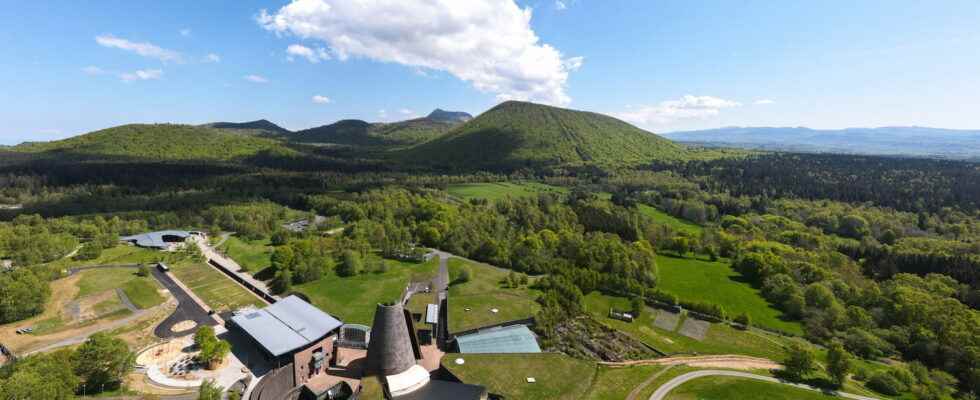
390 350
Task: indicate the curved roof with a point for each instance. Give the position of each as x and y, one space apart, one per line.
154 239
508 339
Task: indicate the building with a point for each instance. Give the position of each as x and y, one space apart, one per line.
506 339
292 331
160 240
393 355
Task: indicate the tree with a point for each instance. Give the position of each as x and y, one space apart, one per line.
22 295
45 376
143 271
212 350
210 390
282 282
636 306
464 276
839 363
102 360
799 361
279 237
744 319
351 265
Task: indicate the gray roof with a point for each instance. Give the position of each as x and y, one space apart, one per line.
445 390
287 325
154 239
432 314
508 339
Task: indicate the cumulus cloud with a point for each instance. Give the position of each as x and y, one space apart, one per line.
144 49
687 107
212 58
311 55
488 43
93 70
764 101
560 5
318 99
141 75
256 78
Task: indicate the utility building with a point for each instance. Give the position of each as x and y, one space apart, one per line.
292 331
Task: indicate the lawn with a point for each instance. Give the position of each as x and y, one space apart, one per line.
251 255
716 282
214 288
498 190
122 254
673 222
617 383
142 291
484 292
557 376
721 338
354 299
730 388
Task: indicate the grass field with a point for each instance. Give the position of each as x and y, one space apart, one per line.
251 255
617 383
122 254
730 388
557 376
673 222
498 190
354 299
142 291
720 339
484 292
716 282
214 288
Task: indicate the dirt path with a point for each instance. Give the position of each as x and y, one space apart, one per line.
721 361
672 384
636 391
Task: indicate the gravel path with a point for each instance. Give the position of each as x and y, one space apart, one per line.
672 384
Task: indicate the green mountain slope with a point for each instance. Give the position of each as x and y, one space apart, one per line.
156 142
353 132
515 134
260 127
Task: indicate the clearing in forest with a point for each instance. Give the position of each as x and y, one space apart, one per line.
498 190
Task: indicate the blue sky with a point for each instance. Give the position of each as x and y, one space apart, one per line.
70 67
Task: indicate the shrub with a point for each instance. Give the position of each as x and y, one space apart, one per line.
885 383
744 320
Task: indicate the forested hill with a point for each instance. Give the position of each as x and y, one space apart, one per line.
155 142
914 141
260 127
354 132
516 134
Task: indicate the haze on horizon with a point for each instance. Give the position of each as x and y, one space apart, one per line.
72 67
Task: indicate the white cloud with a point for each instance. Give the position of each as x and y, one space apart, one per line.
212 58
256 78
488 43
764 101
560 5
185 32
141 75
144 49
318 99
93 70
687 107
311 55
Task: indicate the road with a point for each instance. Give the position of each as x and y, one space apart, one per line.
662 392
187 308
81 338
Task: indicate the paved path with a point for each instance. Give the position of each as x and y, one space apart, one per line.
82 337
125 300
672 384
189 307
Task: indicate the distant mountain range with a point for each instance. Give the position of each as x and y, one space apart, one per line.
355 132
911 141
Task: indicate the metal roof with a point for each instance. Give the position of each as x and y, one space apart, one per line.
154 239
287 325
432 314
445 390
508 339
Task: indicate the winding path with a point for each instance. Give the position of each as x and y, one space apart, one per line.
672 384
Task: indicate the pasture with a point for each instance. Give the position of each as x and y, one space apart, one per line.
673 222
493 191
354 299
716 282
471 303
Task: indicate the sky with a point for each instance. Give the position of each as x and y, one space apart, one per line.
70 67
